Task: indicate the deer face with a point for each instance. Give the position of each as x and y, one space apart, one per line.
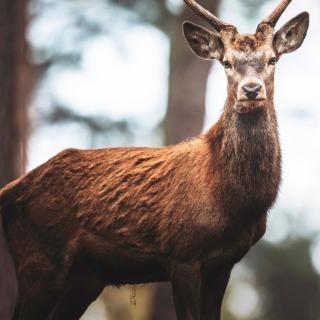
249 60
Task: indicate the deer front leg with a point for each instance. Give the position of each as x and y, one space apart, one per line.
83 286
186 288
38 293
198 291
214 283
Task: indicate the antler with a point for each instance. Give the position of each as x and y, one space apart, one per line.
207 15
274 17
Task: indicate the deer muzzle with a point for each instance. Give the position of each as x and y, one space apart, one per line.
251 96
252 89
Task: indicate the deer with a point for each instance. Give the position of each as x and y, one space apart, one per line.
185 213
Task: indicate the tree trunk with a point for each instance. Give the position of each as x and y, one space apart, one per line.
187 94
185 114
187 83
13 124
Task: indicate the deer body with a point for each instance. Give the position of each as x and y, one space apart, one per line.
130 214
184 213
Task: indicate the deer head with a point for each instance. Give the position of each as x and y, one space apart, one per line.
249 59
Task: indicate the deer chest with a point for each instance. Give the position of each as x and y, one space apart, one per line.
234 242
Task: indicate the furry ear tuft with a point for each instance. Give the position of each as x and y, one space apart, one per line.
204 43
291 36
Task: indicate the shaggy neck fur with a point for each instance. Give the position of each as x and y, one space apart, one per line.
246 154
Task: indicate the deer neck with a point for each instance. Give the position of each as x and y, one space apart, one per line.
246 158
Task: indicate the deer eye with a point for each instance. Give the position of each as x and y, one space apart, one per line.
227 64
273 61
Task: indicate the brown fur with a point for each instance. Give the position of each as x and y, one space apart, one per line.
248 42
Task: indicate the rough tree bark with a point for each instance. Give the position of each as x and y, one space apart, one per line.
185 114
13 124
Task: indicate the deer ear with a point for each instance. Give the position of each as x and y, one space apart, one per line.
291 36
204 43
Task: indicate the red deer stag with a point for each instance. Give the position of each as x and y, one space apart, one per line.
185 213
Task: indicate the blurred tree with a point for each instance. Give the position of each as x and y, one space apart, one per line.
96 125
80 25
14 89
287 282
188 76
15 86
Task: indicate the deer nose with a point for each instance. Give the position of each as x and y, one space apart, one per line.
252 90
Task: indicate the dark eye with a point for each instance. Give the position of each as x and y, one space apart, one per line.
272 61
227 64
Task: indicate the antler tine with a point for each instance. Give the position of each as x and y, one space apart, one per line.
273 18
207 15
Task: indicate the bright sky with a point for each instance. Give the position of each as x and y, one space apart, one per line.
130 81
